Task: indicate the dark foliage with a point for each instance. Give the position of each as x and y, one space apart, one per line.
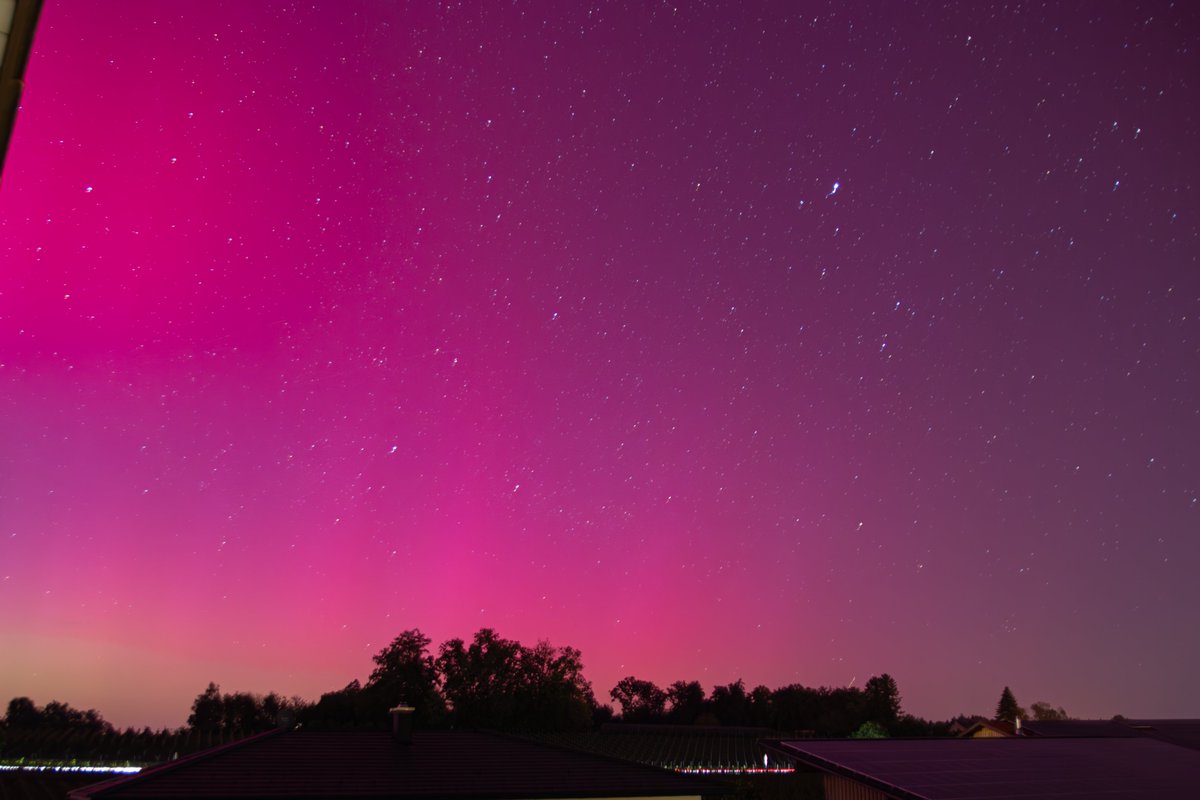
687 702
493 683
882 700
1007 709
1044 711
819 711
501 684
640 701
405 674
61 733
24 715
730 704
240 711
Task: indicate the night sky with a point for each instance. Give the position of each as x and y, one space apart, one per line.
787 342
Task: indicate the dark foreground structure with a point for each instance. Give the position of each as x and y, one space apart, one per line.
369 764
18 20
1024 768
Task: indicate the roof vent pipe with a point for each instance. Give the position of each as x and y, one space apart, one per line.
402 723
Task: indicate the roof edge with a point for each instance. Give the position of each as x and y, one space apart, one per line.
783 749
718 787
97 790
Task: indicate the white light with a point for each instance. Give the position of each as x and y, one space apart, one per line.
47 768
734 770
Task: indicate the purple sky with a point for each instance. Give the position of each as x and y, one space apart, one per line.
785 342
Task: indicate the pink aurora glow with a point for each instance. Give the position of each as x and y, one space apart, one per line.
317 324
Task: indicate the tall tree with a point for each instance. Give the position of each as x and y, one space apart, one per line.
208 710
482 680
22 713
731 704
501 684
1007 709
243 712
795 708
640 701
405 673
882 698
841 711
762 712
687 701
554 694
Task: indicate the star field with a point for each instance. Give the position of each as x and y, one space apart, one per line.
776 341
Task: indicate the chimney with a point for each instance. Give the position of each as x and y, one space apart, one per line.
402 723
1017 726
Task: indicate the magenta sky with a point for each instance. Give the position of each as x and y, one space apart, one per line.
783 342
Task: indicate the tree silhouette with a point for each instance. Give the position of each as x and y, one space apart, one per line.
1044 711
640 701
882 699
240 712
481 681
337 709
687 701
22 714
499 683
208 710
556 695
731 704
405 673
762 711
1007 709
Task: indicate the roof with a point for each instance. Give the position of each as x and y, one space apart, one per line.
1090 728
699 749
999 726
1024 768
361 764
1182 732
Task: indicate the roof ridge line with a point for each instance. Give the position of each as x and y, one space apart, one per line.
100 789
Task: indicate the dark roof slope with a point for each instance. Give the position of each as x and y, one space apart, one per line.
1089 728
1182 732
1025 768
437 764
699 749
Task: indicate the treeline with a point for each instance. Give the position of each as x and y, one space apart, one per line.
1008 709
59 733
488 682
500 684
23 714
491 682
874 710
241 711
